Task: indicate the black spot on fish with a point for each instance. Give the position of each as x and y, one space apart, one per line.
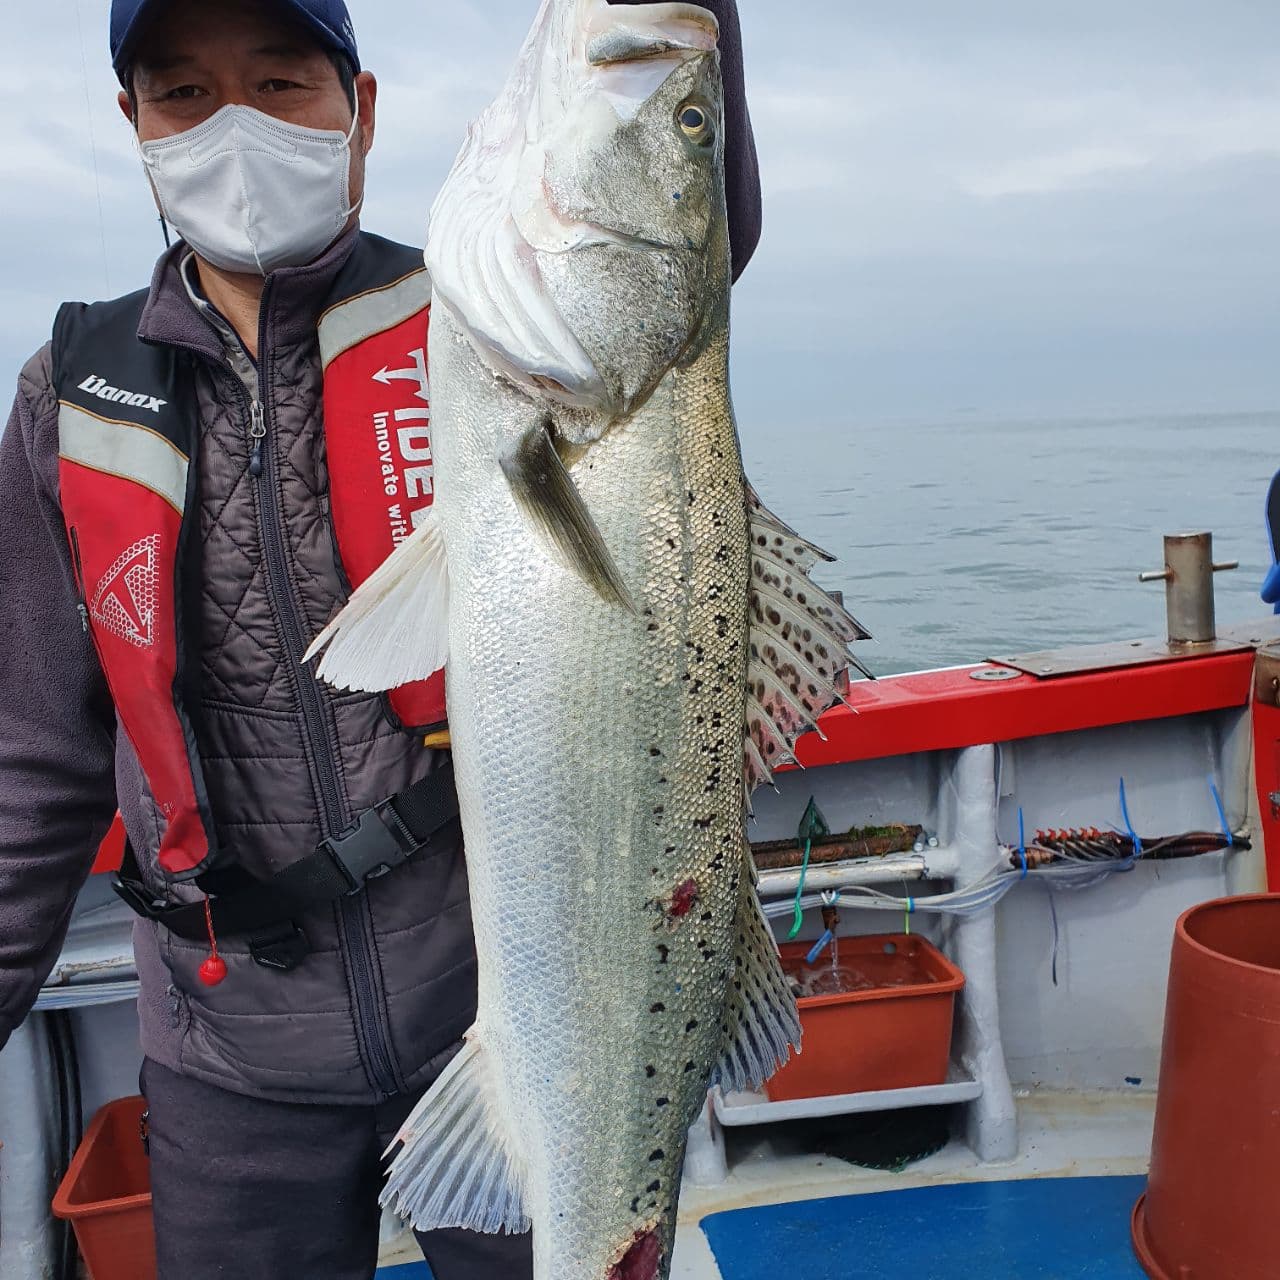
689 1066
655 1185
662 1102
657 1154
663 951
651 1071
657 1007
690 1025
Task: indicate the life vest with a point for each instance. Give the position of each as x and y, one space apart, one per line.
128 431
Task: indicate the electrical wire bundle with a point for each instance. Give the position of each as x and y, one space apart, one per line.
1059 860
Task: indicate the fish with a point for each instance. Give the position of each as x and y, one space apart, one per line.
631 640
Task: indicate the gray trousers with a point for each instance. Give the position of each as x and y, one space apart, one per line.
285 1191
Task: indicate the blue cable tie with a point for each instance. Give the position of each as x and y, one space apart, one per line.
1022 844
819 947
1222 813
1124 809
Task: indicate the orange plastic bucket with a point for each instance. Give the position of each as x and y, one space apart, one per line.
892 1033
106 1195
1206 1214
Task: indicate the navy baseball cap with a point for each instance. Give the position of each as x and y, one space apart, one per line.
329 20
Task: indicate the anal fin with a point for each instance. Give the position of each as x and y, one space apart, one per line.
764 1024
454 1166
395 627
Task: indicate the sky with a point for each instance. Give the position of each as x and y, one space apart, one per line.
1005 208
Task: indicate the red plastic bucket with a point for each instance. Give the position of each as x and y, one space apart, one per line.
894 1034
1207 1212
106 1195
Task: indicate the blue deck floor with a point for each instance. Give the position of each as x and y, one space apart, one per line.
1037 1229
411 1271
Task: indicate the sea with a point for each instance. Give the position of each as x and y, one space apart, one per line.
962 539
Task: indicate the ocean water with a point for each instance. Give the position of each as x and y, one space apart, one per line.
961 539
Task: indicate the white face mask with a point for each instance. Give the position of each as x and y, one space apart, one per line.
250 193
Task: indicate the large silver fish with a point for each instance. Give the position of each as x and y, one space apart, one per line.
628 638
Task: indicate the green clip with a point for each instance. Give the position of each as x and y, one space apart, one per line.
812 824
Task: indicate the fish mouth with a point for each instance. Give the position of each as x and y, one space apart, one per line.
617 35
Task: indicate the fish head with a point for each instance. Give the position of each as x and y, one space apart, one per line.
581 238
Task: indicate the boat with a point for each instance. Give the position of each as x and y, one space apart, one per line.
1038 822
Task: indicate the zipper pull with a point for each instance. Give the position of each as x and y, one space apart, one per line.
83 610
257 433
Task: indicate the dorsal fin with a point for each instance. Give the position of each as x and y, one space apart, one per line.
798 643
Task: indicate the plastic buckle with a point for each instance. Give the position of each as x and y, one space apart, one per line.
136 898
366 850
283 951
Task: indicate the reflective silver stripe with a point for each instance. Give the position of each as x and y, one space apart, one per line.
123 449
350 323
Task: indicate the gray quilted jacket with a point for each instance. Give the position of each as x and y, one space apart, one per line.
389 986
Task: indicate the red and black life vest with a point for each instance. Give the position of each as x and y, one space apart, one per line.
128 432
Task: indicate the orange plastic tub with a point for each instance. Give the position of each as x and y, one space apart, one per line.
893 1032
106 1195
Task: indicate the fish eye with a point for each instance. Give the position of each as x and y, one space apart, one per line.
693 120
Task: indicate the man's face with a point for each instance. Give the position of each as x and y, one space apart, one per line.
198 56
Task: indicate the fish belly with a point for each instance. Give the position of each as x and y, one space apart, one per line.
599 766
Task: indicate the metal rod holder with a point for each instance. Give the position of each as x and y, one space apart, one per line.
1188 577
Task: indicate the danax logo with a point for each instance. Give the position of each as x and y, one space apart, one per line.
99 387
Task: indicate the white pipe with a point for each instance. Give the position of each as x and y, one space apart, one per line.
892 869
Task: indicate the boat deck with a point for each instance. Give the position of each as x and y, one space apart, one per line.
1058 1211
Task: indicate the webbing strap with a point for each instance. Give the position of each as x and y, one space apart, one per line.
422 818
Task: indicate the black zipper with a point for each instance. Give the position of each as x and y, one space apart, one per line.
353 912
77 569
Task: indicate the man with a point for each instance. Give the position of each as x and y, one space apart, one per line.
179 516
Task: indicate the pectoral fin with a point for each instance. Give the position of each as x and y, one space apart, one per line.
395 627
547 497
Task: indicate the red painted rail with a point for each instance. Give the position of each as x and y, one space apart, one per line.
936 710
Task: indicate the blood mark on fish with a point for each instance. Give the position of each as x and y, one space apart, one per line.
641 1261
685 896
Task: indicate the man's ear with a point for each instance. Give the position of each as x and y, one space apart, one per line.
367 102
126 106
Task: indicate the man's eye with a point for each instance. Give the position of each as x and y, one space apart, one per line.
280 86
185 91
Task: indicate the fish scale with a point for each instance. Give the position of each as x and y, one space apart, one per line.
603 588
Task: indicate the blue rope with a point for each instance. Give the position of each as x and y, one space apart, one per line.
1022 844
1222 813
1124 809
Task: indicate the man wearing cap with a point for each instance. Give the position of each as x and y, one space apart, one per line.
192 480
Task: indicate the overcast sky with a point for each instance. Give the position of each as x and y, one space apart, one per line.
1002 207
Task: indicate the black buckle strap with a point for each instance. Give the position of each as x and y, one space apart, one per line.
381 838
375 843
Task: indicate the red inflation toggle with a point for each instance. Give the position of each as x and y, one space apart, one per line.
214 969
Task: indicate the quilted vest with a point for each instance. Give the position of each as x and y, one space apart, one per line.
127 427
